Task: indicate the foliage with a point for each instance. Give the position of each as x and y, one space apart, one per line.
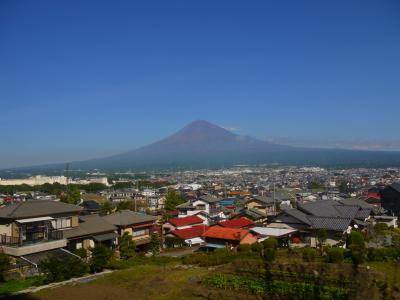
172 200
245 248
309 254
123 185
322 235
270 243
81 252
101 255
380 228
123 205
106 208
127 246
383 254
357 254
56 269
288 290
335 255
257 247
5 263
355 238
72 197
155 244
174 241
270 254
152 184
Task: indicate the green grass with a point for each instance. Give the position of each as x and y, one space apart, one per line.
16 285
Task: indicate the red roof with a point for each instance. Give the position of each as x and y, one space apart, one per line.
192 232
374 195
236 223
178 222
226 233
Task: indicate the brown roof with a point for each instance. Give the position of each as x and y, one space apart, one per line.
37 208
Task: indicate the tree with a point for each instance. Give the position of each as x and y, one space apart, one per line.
106 208
155 244
62 269
172 200
101 255
72 197
355 238
335 255
5 263
127 246
123 205
355 242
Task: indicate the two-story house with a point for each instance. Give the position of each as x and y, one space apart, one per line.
139 225
35 226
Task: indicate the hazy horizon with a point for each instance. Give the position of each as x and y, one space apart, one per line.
81 80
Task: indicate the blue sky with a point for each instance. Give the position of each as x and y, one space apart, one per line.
83 79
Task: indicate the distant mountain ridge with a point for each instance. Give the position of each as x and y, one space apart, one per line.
201 144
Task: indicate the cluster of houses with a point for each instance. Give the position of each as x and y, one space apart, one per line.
36 229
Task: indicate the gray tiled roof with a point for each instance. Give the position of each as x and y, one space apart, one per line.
37 208
396 186
330 223
265 200
210 199
89 225
128 217
297 214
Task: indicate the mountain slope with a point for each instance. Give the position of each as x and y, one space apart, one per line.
202 145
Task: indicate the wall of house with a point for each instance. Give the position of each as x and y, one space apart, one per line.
88 243
6 229
249 239
74 221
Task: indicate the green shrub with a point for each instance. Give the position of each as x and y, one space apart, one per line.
244 248
56 269
380 228
309 254
383 254
270 243
257 247
355 238
101 255
5 263
335 255
81 252
269 254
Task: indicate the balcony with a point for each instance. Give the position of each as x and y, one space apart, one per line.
33 242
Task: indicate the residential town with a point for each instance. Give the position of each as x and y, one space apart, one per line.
199 211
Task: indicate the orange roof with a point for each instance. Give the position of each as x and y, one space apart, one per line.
238 193
226 233
236 223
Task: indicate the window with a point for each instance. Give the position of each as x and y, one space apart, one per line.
61 223
139 232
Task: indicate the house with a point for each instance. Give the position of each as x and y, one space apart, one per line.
264 204
192 235
181 223
283 235
390 199
90 207
335 217
91 230
139 225
221 237
241 222
207 204
36 226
